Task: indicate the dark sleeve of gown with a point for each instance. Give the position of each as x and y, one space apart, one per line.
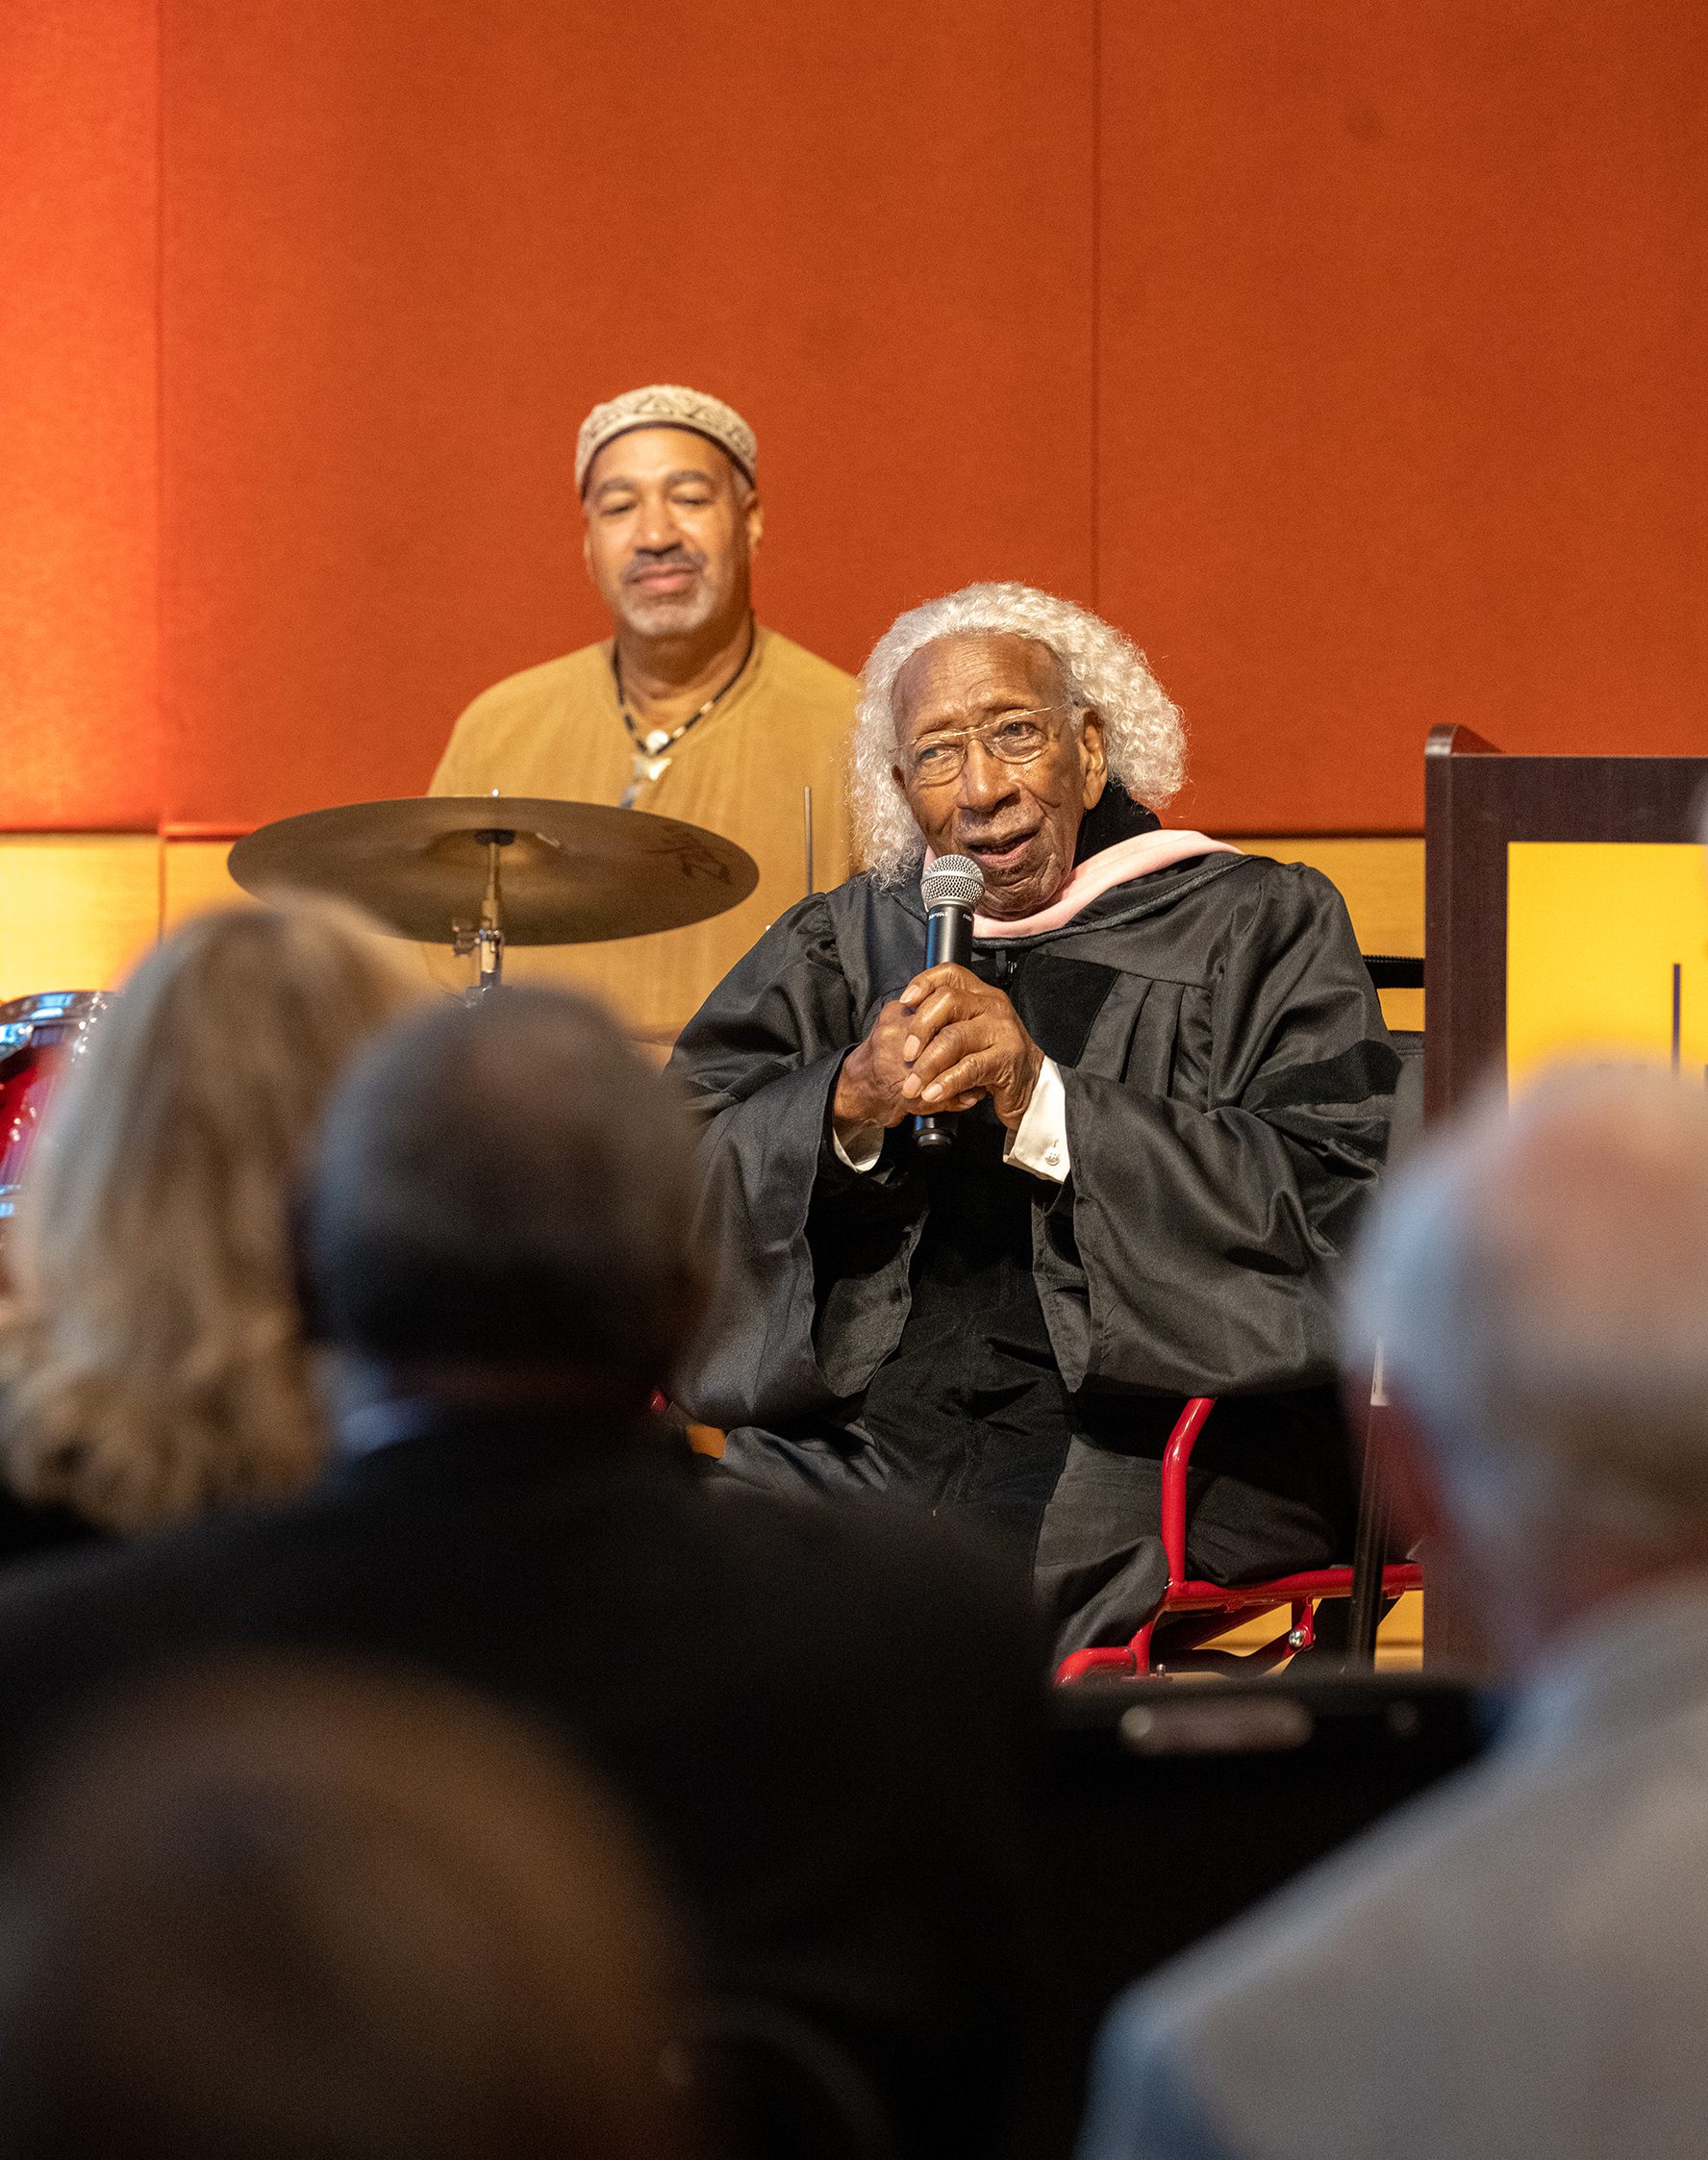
758 1062
1192 1249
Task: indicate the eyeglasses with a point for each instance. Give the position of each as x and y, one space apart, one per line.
1015 739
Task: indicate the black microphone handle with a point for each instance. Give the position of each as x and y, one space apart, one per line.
948 937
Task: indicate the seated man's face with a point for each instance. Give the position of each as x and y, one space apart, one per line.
960 703
670 529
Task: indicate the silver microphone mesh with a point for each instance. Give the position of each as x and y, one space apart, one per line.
952 881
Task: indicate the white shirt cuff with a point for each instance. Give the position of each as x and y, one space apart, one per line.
865 1143
1039 1143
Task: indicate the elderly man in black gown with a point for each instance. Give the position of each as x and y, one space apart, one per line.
1173 1087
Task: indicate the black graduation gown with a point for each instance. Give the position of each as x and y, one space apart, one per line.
965 1335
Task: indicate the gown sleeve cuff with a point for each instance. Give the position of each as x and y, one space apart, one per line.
1039 1143
865 1143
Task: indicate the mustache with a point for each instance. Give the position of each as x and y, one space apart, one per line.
676 558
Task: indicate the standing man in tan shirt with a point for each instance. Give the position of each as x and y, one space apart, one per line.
690 709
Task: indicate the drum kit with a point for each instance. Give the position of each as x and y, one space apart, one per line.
37 1035
476 872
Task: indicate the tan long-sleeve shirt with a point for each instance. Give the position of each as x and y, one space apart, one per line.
556 730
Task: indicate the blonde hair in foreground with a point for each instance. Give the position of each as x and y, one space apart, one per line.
150 1351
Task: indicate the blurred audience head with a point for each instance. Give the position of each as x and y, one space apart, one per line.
280 1911
1536 1280
502 1205
151 1351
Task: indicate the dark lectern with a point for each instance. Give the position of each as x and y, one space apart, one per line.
1477 801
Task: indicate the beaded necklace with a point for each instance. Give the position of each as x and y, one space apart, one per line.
652 751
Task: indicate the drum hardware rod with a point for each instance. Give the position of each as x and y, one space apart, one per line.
807 817
488 939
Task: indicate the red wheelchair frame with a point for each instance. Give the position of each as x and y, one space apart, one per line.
1219 1605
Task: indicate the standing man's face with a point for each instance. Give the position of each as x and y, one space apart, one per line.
671 530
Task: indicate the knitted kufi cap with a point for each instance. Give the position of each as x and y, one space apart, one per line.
664 405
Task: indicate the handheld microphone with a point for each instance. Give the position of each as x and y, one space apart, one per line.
950 890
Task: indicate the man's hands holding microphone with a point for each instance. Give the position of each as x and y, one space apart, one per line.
946 1043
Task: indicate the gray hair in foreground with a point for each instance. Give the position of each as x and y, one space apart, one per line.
1538 1282
1145 736
506 1180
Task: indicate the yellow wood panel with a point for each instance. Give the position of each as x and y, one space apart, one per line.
1403 1009
1381 881
100 885
76 910
195 877
1400 1641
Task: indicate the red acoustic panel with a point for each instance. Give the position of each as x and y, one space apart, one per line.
408 244
1402 311
79 714
1394 415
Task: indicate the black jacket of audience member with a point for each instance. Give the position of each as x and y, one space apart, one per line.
824 1720
31 1528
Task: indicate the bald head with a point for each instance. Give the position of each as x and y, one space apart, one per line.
1538 1280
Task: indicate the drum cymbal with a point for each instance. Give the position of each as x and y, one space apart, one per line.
571 873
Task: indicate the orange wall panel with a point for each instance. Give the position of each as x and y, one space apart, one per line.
1402 312
79 170
1349 356
407 246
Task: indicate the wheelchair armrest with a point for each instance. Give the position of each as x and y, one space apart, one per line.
1175 1458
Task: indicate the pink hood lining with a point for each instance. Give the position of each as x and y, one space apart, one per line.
1128 859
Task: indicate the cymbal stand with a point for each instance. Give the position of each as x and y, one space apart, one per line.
488 939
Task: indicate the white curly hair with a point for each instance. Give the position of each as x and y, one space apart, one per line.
1143 732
